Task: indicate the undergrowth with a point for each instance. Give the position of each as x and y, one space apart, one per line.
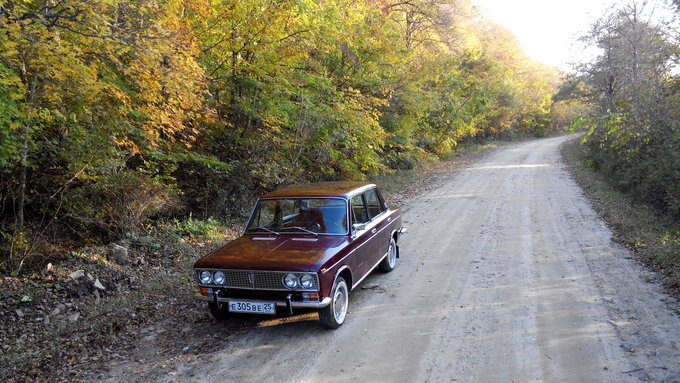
654 236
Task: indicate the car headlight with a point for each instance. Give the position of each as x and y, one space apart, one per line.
290 281
307 281
218 277
205 277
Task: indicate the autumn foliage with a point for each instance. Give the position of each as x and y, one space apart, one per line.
113 112
633 132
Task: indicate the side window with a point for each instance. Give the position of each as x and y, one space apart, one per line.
382 200
359 213
374 203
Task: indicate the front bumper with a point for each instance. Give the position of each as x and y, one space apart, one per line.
288 303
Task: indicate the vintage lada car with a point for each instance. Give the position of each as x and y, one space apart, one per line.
304 247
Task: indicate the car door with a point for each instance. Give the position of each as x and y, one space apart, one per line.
378 224
362 236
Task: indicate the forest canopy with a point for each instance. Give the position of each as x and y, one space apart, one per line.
113 112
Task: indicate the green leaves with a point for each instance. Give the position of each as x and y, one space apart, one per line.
632 135
133 110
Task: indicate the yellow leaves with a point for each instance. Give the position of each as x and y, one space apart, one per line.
128 144
12 84
358 60
202 8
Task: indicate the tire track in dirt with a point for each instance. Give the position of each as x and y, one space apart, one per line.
506 274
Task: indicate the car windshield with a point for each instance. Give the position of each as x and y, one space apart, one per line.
299 215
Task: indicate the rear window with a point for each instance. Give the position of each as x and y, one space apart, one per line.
374 203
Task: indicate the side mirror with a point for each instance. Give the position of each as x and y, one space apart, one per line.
357 227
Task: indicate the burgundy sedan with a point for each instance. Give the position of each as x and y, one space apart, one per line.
305 247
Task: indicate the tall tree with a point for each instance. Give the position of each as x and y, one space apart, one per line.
634 135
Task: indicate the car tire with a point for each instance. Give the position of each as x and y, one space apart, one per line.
390 261
334 315
218 311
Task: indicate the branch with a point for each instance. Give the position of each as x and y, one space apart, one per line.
70 29
286 37
214 45
59 14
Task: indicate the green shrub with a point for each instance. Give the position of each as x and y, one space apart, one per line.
120 202
643 161
209 229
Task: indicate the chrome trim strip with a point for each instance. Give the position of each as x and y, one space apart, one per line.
355 249
255 288
305 239
361 190
381 213
296 304
311 305
275 198
250 218
263 239
340 270
368 273
373 234
198 271
339 261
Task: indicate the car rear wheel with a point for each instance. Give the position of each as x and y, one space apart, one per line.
218 311
333 315
390 261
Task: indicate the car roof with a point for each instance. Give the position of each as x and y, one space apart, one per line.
343 189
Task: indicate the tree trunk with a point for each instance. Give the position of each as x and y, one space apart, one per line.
24 158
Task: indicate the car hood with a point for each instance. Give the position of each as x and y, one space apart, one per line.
285 253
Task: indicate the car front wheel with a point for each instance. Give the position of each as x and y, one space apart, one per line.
333 315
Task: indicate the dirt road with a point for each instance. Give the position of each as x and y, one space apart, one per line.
505 275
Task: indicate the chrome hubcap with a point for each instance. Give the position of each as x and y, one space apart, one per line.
392 258
340 303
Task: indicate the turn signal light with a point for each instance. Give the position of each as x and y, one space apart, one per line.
204 291
310 296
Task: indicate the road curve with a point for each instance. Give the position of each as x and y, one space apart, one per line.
506 275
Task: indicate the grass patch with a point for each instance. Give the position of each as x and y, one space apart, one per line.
196 229
654 237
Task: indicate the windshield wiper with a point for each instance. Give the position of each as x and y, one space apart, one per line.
265 229
303 229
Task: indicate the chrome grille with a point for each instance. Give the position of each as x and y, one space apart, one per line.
238 279
268 280
261 280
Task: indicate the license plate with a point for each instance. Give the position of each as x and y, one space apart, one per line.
252 307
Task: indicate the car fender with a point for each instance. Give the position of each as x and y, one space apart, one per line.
340 270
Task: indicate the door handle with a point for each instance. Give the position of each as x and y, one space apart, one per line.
389 219
374 230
